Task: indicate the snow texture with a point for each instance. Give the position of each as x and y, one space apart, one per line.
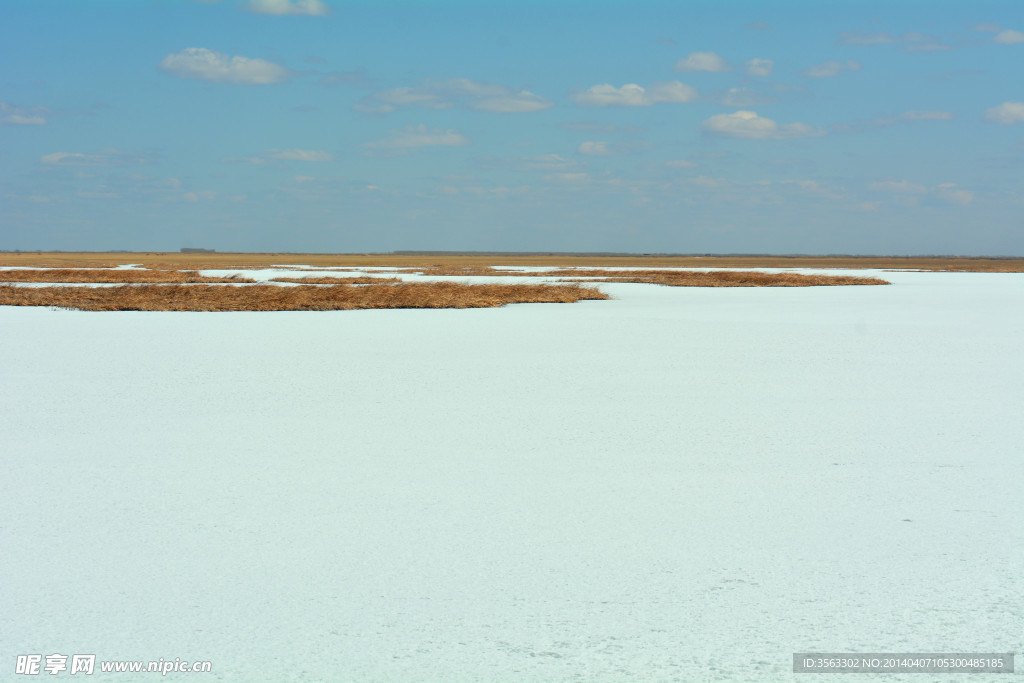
678 484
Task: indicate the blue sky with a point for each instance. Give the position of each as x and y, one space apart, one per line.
683 127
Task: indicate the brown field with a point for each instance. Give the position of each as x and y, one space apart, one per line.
242 260
301 298
120 276
672 278
724 278
337 280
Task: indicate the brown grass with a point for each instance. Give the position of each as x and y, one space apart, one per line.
301 298
672 278
119 276
227 260
337 280
722 278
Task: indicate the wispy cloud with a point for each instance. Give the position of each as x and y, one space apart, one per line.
908 193
1002 36
898 186
570 178
702 61
540 162
760 67
950 192
908 42
307 7
741 98
488 97
633 95
748 125
276 155
594 148
316 155
546 162
208 65
107 157
1009 37
831 69
412 137
11 115
1006 113
906 118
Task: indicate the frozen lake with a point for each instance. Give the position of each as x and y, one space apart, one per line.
679 484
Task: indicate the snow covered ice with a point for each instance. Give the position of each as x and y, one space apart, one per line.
678 484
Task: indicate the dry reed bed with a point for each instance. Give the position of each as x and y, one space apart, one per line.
671 278
299 298
723 278
337 280
123 276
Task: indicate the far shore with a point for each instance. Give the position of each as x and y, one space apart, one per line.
215 260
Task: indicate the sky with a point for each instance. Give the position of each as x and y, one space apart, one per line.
842 127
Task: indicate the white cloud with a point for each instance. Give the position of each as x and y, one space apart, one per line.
385 102
702 61
926 115
22 120
11 115
607 95
420 136
680 163
831 68
108 157
207 65
633 95
300 155
1006 113
760 67
308 7
673 91
748 125
475 95
1009 37
594 148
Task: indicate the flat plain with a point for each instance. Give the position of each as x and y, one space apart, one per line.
678 483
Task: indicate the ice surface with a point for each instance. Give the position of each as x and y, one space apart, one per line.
678 484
